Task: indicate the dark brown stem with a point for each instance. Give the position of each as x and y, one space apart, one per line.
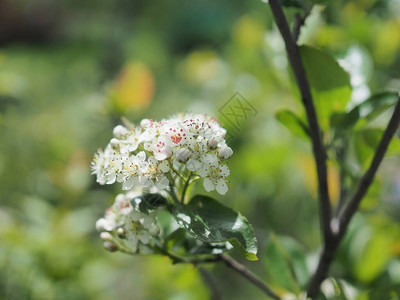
369 175
333 230
315 132
232 263
343 222
299 23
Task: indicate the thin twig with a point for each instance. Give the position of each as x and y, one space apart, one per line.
232 263
342 153
299 23
315 132
328 253
242 270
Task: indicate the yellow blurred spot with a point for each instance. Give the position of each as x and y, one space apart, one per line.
352 10
395 249
199 66
330 36
387 42
248 32
134 88
307 166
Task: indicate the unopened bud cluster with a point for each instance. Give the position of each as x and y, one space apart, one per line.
148 155
124 227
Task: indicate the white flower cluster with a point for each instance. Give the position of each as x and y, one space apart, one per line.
124 227
148 155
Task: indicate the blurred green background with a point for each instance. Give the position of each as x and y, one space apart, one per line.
69 70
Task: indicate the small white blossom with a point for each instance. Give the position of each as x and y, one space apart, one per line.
225 152
120 131
212 143
214 174
182 155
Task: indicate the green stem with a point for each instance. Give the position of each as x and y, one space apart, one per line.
185 187
172 189
175 171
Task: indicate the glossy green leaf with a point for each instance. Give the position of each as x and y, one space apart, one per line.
180 242
286 263
329 82
148 202
211 222
293 122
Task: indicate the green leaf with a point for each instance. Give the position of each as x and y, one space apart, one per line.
329 82
374 257
180 242
148 202
293 123
211 222
286 263
342 123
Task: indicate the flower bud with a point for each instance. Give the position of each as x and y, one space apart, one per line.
120 131
106 236
101 225
110 246
212 144
154 230
225 152
114 142
145 123
182 155
121 233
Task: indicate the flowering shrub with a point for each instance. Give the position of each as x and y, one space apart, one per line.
157 163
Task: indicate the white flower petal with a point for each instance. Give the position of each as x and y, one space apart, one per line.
164 166
144 236
224 171
193 164
128 183
210 159
204 171
208 184
221 187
